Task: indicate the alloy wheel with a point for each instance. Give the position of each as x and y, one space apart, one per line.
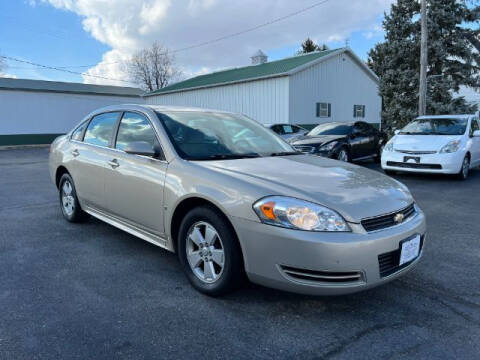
342 155
68 201
205 252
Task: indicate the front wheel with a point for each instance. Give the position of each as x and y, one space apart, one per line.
465 169
343 155
209 252
69 203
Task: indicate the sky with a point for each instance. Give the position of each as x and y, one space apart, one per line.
96 37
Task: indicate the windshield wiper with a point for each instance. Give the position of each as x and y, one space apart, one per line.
225 156
285 153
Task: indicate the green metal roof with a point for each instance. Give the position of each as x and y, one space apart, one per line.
67 87
245 73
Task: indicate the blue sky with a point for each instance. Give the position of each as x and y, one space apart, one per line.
54 32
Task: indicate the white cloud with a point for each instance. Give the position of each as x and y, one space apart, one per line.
7 75
129 25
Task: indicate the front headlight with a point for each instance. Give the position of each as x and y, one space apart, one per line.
388 146
328 147
298 214
451 146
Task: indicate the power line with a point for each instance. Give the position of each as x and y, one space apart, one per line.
60 69
209 42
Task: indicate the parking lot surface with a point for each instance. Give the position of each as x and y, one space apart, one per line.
90 291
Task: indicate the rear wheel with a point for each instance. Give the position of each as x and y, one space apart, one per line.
343 155
69 204
465 169
209 252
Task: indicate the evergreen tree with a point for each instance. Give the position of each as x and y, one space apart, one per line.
309 46
453 60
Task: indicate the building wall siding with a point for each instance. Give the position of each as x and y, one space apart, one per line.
339 81
33 112
263 100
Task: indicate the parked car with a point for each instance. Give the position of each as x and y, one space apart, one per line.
446 144
228 205
342 141
288 131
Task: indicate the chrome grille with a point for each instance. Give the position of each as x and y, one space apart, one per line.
321 276
388 220
411 152
305 148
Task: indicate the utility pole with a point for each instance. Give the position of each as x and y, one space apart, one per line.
422 94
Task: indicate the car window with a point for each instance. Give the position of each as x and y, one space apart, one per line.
135 127
278 129
287 129
78 132
100 129
331 129
474 126
436 126
206 135
362 128
296 129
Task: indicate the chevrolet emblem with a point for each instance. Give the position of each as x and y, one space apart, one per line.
398 218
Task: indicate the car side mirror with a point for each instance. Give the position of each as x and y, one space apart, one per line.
396 132
476 133
142 148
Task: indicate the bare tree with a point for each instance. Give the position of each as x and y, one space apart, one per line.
153 68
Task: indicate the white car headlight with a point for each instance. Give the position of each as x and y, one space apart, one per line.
451 146
298 214
388 146
328 147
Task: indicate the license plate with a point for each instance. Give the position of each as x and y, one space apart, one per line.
411 159
409 250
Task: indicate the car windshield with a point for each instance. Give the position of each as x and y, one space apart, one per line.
211 136
331 129
436 126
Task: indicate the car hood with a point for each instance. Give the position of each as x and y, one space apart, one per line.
422 142
355 192
314 140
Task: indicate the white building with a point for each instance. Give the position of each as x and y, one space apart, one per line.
331 85
35 111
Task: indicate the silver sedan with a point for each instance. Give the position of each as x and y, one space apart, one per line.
234 201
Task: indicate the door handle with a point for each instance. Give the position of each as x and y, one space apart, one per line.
114 163
75 152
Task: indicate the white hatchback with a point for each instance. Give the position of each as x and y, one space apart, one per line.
447 144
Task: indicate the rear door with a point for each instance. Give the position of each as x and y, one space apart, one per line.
89 158
134 184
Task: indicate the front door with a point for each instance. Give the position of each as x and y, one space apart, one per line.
475 148
134 184
359 142
89 155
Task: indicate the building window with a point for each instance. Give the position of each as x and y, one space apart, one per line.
359 111
324 110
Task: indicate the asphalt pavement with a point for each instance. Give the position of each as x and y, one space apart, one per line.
91 291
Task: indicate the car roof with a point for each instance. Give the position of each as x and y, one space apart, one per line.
159 108
460 116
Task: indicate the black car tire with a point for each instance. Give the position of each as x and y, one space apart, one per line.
72 213
232 274
465 169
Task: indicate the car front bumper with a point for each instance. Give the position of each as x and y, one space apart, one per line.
270 254
446 163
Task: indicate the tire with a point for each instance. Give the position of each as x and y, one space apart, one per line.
465 169
378 158
343 155
71 209
203 264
